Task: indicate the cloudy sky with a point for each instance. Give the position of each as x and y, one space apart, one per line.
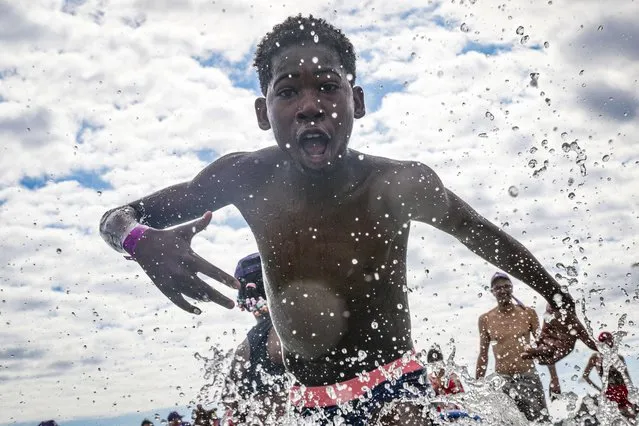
103 101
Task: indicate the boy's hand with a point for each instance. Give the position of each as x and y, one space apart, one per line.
558 337
167 258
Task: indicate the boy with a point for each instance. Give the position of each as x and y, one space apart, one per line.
331 225
509 326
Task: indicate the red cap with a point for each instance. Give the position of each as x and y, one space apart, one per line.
605 336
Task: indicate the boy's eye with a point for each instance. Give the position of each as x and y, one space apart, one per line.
287 92
329 87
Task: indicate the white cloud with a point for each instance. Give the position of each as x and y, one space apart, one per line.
127 69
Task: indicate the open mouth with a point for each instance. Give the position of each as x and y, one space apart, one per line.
314 143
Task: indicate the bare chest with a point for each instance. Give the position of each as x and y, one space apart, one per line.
511 328
301 236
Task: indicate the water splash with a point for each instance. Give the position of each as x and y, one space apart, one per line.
483 398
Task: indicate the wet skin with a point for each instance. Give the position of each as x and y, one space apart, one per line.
331 225
509 327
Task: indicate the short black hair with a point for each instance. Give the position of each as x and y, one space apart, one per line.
300 29
146 422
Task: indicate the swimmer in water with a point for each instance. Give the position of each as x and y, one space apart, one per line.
616 386
257 371
509 326
331 225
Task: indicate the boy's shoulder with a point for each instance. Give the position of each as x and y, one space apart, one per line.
391 166
491 313
268 156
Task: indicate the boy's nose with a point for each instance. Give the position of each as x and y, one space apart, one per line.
309 109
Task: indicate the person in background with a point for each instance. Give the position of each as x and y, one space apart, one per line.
257 371
146 422
442 385
175 419
200 416
616 385
48 423
214 419
509 327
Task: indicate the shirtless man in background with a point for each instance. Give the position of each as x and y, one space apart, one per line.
331 225
509 326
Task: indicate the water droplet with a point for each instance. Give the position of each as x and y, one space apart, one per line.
331 392
533 150
464 28
479 295
140 331
354 261
532 163
374 325
520 30
490 116
400 306
361 355
546 44
600 28
482 135
440 73
581 72
301 27
315 60
349 77
360 157
288 145
316 38
605 158
524 39
513 191
58 250
571 195
334 115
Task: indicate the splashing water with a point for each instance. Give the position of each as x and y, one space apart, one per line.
483 400
215 367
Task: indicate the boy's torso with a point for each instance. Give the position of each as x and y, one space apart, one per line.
510 334
334 262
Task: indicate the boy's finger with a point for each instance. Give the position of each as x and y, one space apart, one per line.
206 293
179 300
198 225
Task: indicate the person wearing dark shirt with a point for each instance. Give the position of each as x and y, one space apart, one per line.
175 419
256 386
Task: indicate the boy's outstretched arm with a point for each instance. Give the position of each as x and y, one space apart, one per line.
430 202
165 255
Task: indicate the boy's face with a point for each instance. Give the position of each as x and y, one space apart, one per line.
502 289
310 105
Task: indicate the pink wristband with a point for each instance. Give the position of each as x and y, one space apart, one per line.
131 240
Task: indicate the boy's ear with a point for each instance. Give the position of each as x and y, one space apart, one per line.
261 114
358 102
